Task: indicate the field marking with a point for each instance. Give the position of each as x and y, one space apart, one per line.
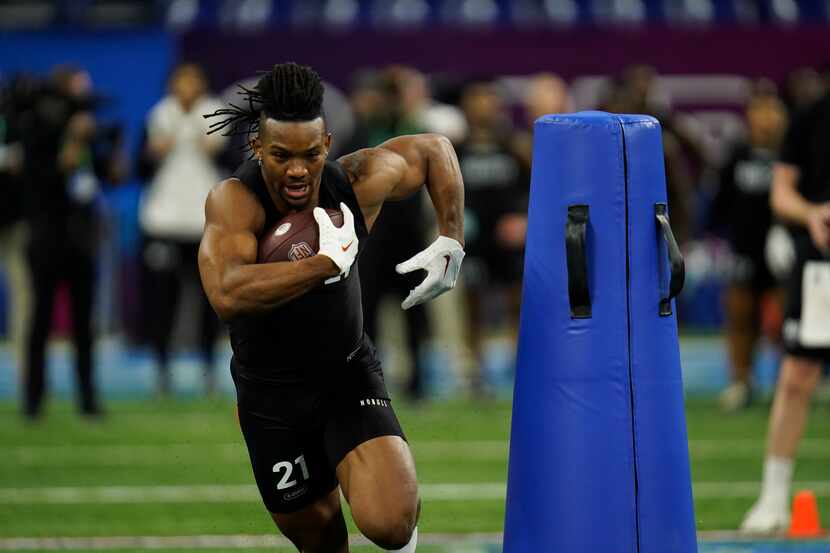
243 493
211 494
131 455
47 455
268 541
232 541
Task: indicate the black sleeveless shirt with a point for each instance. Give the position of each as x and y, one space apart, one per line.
318 331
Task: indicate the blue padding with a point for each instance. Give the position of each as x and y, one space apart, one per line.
588 472
664 498
571 474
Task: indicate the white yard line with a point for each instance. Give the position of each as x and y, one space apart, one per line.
229 451
210 494
238 541
243 493
130 455
269 541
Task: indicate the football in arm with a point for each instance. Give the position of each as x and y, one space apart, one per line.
294 237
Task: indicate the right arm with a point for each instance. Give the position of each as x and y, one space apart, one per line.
788 204
234 282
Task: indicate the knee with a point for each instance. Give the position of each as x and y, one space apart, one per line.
318 528
740 310
799 377
389 528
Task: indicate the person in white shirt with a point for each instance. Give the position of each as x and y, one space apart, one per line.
171 213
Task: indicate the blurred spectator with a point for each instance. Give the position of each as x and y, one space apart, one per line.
12 224
634 91
741 209
416 105
67 156
172 212
388 105
804 86
546 94
495 217
801 196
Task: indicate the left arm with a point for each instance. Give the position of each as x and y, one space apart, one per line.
400 167
79 131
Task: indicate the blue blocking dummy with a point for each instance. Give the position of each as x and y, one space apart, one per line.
599 458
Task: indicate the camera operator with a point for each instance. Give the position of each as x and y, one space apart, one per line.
67 156
12 224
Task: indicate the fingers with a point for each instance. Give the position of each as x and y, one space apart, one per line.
322 218
415 295
411 264
414 299
425 291
410 301
348 217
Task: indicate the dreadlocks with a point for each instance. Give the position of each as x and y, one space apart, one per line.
289 92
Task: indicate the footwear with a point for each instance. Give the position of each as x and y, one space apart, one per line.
211 384
765 517
164 384
32 416
735 397
94 414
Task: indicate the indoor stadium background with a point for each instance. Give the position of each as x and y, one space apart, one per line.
170 471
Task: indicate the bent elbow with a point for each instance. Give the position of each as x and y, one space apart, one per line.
226 307
775 199
438 141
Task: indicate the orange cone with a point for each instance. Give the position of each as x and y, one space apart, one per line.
805 522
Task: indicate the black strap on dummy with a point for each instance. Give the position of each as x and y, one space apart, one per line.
575 244
678 268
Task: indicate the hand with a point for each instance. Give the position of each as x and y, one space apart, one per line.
779 251
511 230
338 244
818 225
81 126
442 262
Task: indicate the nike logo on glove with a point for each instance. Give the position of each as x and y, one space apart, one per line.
349 245
446 265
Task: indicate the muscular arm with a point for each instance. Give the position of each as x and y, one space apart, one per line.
233 281
400 167
788 203
785 200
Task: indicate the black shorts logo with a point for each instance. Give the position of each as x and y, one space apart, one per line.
374 402
288 496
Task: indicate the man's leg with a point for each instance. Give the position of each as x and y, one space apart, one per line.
796 383
82 296
20 290
417 332
741 336
378 480
160 298
44 282
317 528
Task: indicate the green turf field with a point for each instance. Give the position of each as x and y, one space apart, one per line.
179 469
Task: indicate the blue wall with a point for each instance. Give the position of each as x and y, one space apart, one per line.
130 67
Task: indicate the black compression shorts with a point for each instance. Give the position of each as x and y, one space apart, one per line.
297 433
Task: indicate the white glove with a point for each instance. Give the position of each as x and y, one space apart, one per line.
779 251
338 244
442 262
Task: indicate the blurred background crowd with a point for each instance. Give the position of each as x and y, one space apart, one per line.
105 165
